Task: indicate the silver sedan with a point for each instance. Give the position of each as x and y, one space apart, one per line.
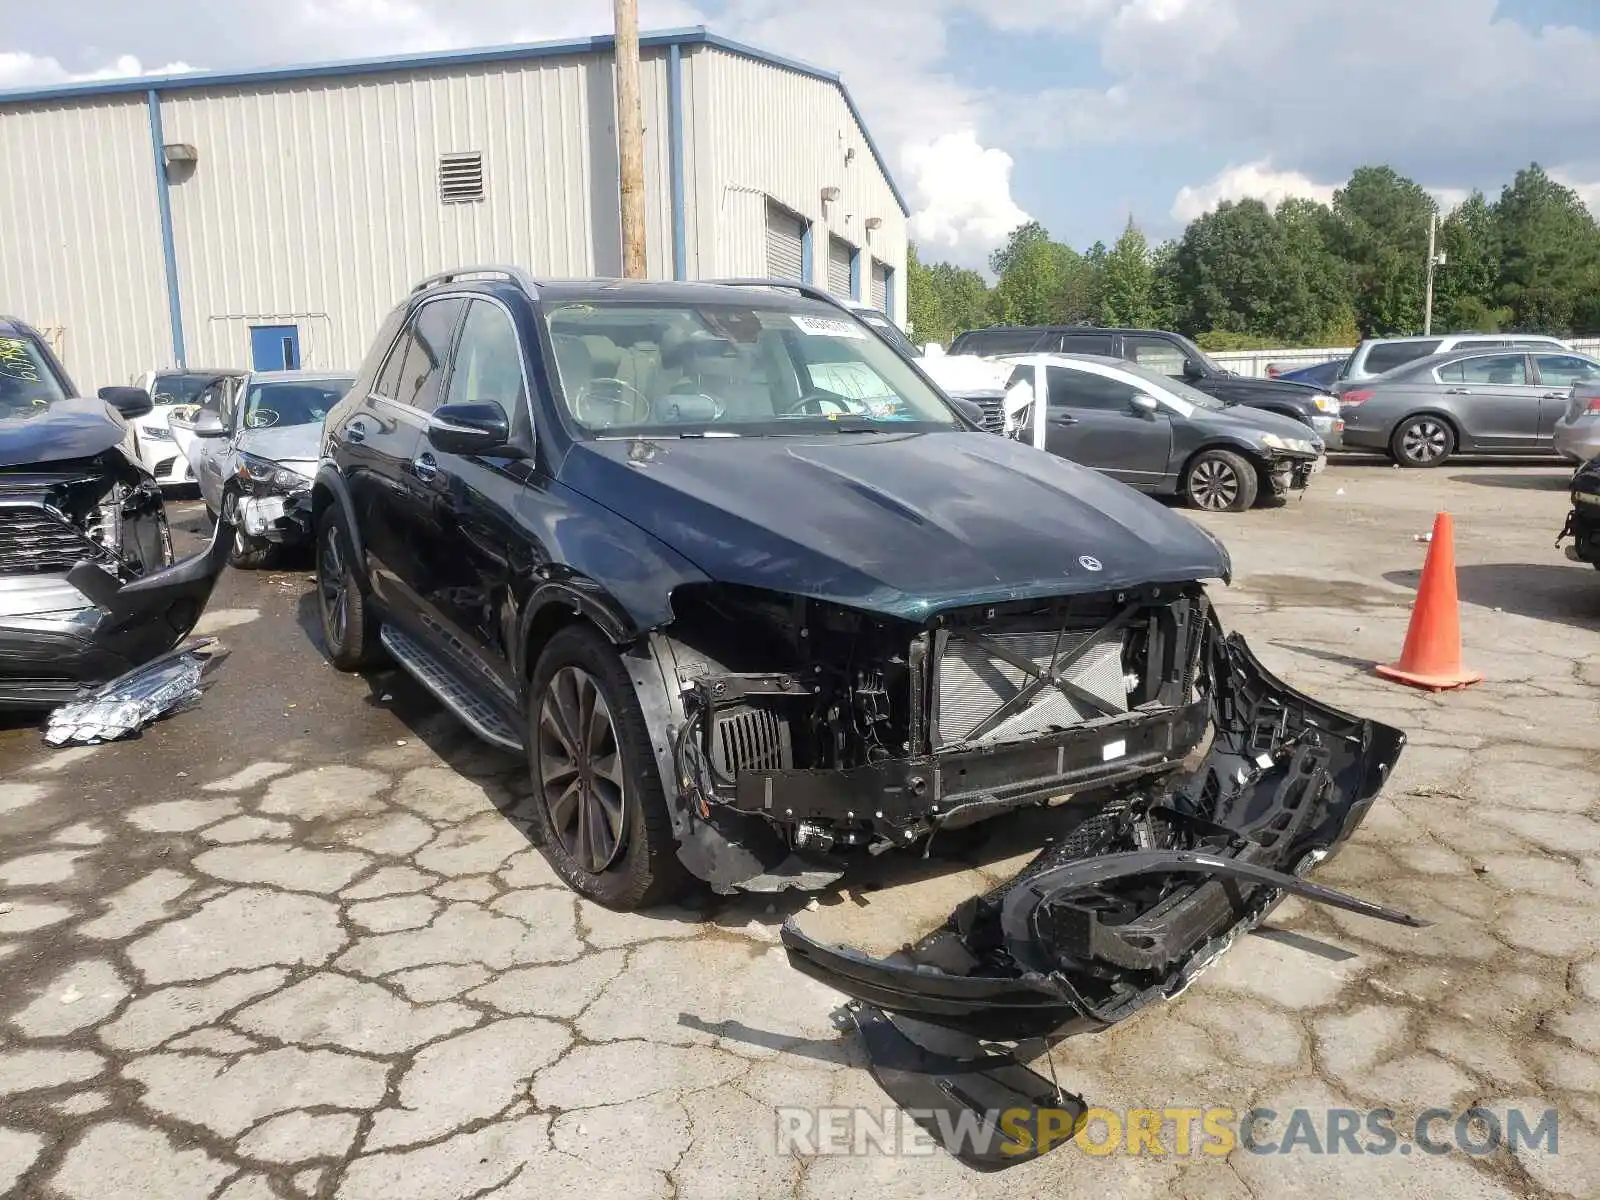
1467 401
1577 434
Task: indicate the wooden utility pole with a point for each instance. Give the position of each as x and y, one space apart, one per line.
1433 261
630 138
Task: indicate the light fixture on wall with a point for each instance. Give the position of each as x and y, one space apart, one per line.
829 195
849 154
180 159
874 222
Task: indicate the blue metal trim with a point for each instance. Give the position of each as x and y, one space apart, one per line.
855 274
805 254
169 248
680 221
696 35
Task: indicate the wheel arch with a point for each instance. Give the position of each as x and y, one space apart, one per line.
329 490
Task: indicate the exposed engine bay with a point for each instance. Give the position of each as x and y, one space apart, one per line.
1190 789
102 508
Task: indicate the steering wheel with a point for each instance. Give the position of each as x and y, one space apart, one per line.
620 395
261 418
811 405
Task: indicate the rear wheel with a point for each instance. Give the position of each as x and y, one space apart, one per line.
349 627
1220 481
598 799
1424 441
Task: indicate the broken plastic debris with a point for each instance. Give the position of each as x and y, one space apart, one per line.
130 702
386 697
399 741
1424 538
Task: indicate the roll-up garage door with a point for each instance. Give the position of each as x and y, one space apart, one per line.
785 259
839 254
880 288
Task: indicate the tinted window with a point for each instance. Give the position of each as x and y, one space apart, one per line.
1157 354
416 364
27 384
1086 343
1386 356
488 365
182 388
997 341
1491 369
1564 370
1481 343
271 405
1080 389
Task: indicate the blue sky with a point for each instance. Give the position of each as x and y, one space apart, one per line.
1075 112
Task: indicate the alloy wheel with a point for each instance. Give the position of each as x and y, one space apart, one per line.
580 768
1214 485
332 588
1424 441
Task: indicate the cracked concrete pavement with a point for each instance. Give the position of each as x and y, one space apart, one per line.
295 942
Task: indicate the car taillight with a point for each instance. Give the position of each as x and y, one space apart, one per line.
1351 399
1594 404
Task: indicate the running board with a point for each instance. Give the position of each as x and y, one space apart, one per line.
439 679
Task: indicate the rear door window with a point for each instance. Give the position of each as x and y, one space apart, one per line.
1087 343
998 341
1386 356
1492 370
416 366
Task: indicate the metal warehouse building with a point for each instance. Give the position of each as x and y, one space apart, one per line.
274 216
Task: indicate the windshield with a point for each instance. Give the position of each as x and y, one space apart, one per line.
726 369
890 331
179 388
270 405
27 384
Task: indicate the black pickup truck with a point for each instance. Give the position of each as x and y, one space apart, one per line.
1171 354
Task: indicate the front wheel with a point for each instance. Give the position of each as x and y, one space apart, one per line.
1422 442
349 627
1220 481
598 799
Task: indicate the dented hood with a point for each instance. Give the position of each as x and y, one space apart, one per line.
67 429
902 524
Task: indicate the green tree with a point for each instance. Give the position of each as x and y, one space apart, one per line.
1227 268
1029 288
925 313
1166 296
1380 228
1127 281
1549 249
1019 239
964 295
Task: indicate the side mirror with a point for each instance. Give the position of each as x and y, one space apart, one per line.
474 428
129 401
970 409
1192 370
1144 406
206 424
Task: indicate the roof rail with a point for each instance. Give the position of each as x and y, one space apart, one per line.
513 274
810 291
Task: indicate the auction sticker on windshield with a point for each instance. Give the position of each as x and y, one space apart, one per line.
827 327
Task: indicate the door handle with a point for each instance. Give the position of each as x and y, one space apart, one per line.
356 430
425 468
1457 392
1555 395
1062 419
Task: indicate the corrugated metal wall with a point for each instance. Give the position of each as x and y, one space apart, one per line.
317 203
764 130
80 235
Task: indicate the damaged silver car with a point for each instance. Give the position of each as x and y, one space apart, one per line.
253 443
88 586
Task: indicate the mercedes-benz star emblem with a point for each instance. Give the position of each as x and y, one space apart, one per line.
1089 562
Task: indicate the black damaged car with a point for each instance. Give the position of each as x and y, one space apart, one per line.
744 627
88 587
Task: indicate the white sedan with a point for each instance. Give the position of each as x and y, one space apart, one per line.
152 433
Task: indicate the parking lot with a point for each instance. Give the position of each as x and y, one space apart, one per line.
295 942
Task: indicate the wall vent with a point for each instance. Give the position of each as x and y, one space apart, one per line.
461 177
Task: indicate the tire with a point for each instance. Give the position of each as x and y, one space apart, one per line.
350 633
1220 481
248 553
633 862
1422 441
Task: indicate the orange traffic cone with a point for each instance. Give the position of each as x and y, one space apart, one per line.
1432 654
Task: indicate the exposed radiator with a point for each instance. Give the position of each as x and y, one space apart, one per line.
973 684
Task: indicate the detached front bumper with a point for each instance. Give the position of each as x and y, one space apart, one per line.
61 636
1147 882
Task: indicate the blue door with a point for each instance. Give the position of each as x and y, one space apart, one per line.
274 347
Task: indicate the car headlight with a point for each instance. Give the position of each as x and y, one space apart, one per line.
1299 445
259 474
1327 404
156 433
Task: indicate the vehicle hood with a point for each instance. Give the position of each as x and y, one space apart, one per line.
287 444
79 428
900 524
965 374
1243 421
1242 386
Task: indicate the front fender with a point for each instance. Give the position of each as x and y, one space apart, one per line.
328 490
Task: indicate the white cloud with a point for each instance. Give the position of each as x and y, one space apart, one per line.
1588 189
1252 181
960 194
28 70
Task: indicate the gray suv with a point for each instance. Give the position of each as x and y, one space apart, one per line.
1374 356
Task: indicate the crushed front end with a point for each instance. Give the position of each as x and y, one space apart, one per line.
88 587
1191 789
